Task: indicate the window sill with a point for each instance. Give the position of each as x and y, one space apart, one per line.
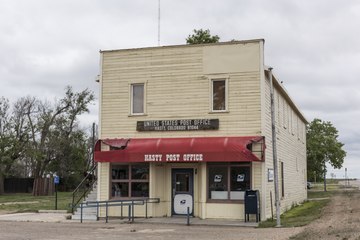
137 115
215 112
224 201
126 198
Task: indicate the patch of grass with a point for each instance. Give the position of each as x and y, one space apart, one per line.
318 194
329 187
25 202
300 215
333 181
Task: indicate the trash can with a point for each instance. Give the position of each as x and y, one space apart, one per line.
252 204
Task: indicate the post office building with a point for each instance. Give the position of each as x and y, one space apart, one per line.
191 125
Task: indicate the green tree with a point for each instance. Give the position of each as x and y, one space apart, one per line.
322 146
5 141
70 156
53 124
13 139
39 138
202 36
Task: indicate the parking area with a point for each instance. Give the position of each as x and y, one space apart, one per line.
57 226
340 220
65 230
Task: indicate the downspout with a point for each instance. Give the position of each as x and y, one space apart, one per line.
275 163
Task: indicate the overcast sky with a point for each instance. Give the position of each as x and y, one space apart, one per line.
313 47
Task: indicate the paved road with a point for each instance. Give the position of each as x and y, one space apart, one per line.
97 230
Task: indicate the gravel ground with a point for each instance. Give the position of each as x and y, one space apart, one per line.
341 219
66 231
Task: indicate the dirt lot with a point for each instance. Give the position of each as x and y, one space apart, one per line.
341 220
66 231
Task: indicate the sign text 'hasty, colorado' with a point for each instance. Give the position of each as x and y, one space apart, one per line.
178 125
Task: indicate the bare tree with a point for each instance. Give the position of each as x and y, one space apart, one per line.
45 118
39 137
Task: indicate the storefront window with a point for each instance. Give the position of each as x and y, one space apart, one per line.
139 189
130 180
218 182
120 189
239 182
120 172
228 181
140 171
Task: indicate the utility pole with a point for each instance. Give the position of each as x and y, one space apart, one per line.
346 181
275 163
325 176
159 23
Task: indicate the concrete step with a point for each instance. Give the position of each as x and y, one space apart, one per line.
88 213
85 217
90 198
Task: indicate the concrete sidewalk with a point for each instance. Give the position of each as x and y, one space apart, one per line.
198 221
61 216
41 216
179 221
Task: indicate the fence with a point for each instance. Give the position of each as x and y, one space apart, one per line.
44 186
18 185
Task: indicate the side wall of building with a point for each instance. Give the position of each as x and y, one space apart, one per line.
291 149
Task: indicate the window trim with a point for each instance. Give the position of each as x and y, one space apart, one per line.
284 113
129 180
212 80
131 85
228 165
282 179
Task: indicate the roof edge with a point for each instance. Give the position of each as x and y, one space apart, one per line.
187 45
283 90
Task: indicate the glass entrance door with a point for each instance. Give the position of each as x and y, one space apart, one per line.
182 191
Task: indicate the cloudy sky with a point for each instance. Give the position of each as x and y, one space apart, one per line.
313 47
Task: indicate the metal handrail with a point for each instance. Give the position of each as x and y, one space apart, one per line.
131 203
83 183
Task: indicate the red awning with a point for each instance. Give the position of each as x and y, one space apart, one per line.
116 143
206 149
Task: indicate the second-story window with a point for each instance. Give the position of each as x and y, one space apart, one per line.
137 98
219 102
